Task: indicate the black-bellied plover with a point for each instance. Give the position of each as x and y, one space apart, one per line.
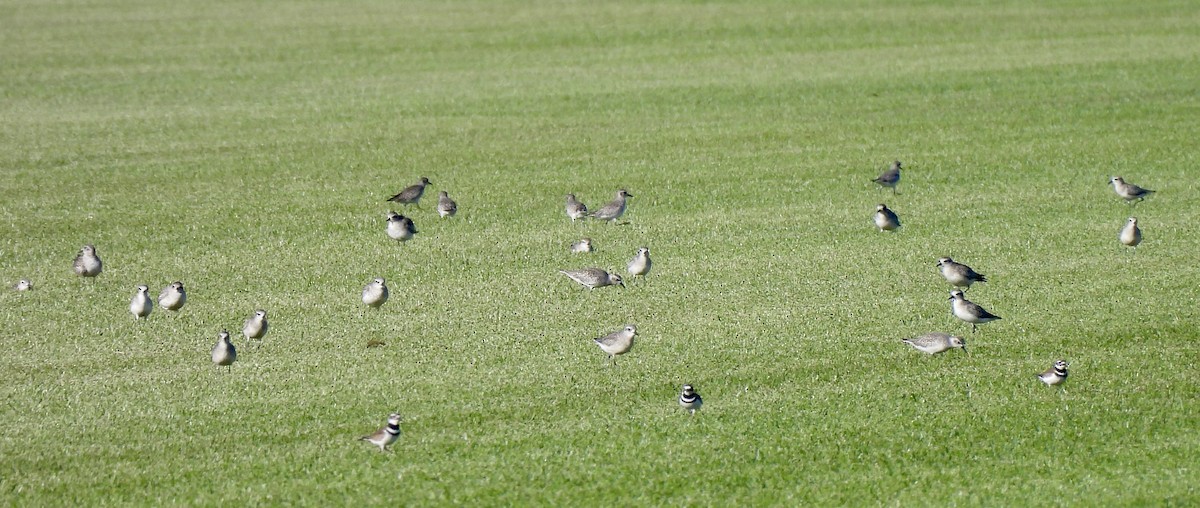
640 264
886 219
87 263
936 342
618 342
593 278
375 294
581 246
141 304
1131 234
411 195
958 274
172 297
575 209
446 207
255 327
400 228
614 209
224 354
968 311
890 177
1055 375
1129 192
690 400
386 435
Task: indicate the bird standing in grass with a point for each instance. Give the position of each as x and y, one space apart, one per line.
87 263
890 177
1129 192
1131 234
969 311
639 266
23 285
446 207
575 209
386 435
400 228
958 274
411 195
141 304
690 400
375 294
614 209
1056 375
255 327
593 278
618 342
172 297
936 342
583 245
224 354
886 219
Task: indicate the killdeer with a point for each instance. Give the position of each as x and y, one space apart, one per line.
575 209
1131 234
889 178
255 327
886 219
936 342
968 311
593 278
1129 192
375 294
386 435
690 400
583 245
224 354
614 209
411 195
446 207
400 228
87 263
640 264
618 342
958 274
1056 375
23 285
173 297
141 304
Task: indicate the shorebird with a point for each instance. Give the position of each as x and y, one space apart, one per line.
889 178
141 304
690 400
618 342
1129 192
583 245
172 297
411 195
224 354
886 219
400 228
614 209
255 327
386 435
375 294
593 278
936 342
958 274
23 285
87 263
575 209
1131 234
640 264
1056 375
968 311
446 207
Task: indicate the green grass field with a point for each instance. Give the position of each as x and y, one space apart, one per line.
246 149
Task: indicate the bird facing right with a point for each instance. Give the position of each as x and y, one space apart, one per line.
886 219
23 285
575 209
224 354
375 294
446 207
639 266
969 311
87 263
614 209
593 278
1056 375
958 274
936 342
255 327
690 400
411 195
582 246
618 342
386 435
890 178
1131 234
141 304
1129 192
172 297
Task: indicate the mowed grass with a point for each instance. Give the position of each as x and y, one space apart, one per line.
246 148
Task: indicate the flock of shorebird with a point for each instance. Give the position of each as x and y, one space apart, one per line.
400 228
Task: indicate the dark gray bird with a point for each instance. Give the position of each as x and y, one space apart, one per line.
411 195
958 274
593 278
886 219
386 435
890 178
400 228
87 263
614 209
575 209
1129 192
936 342
446 207
172 297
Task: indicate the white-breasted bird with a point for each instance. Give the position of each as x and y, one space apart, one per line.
87 262
969 311
386 435
400 228
411 195
886 219
173 297
375 294
575 208
618 342
614 209
593 278
1129 192
141 304
23 285
639 266
890 177
690 400
1131 234
581 246
1056 375
958 274
936 342
255 327
446 207
224 354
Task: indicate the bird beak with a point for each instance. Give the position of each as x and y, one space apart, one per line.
964 348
